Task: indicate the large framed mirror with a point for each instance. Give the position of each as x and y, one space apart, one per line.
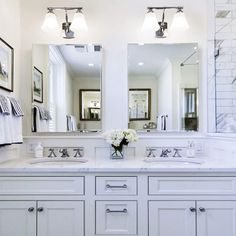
66 88
171 73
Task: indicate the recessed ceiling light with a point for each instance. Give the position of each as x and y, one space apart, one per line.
140 63
91 65
195 48
141 44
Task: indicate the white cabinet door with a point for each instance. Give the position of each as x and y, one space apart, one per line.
116 217
60 218
17 218
216 218
172 218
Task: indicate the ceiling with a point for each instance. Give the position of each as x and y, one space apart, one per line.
78 58
155 56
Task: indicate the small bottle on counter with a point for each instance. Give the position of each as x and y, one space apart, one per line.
38 152
190 149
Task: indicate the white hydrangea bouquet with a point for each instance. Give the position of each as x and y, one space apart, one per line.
118 139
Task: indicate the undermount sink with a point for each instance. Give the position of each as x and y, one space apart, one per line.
174 160
55 160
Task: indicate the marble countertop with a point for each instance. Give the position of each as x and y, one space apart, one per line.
210 165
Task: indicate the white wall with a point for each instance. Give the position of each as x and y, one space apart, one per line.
10 32
84 83
113 24
165 94
148 82
40 59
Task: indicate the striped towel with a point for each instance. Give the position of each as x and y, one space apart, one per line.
16 108
5 109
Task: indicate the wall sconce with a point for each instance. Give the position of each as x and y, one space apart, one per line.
68 28
151 23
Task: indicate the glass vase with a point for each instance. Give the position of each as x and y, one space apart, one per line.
117 153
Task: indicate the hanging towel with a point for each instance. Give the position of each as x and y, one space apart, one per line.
74 123
44 114
4 105
71 123
16 125
6 126
10 122
40 120
16 108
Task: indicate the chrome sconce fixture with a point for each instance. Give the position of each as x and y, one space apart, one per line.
69 29
151 22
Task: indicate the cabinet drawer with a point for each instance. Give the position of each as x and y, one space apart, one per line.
116 217
42 185
116 185
191 185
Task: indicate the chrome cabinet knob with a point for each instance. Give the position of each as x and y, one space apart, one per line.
201 209
40 209
31 209
192 209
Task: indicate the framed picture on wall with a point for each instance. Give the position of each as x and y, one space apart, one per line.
6 66
37 85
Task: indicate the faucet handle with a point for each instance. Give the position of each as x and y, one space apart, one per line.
151 152
177 152
51 152
79 152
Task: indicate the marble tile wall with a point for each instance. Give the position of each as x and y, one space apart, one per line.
225 66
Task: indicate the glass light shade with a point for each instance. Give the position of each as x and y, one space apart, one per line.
150 21
50 22
179 22
79 22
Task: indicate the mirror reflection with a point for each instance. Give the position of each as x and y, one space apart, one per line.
66 88
140 104
90 104
170 72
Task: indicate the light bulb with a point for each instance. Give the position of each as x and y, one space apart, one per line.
79 22
179 22
50 22
150 21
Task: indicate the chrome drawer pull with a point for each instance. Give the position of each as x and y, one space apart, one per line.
122 211
111 186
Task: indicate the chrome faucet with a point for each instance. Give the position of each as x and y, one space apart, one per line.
176 152
64 152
